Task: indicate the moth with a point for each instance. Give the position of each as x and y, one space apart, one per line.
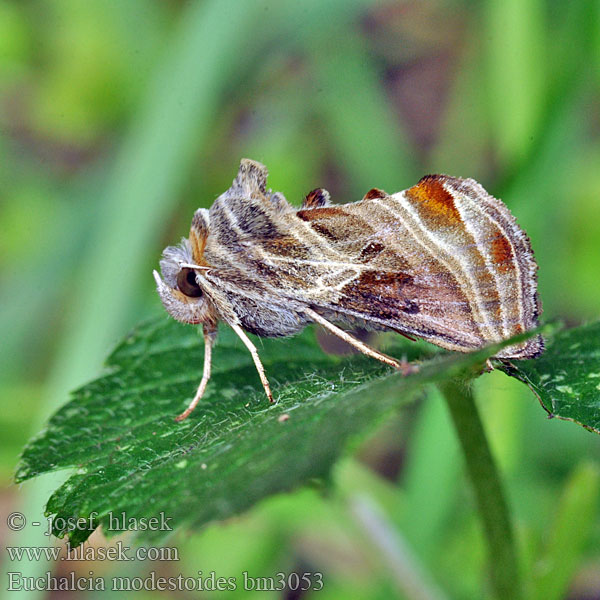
442 260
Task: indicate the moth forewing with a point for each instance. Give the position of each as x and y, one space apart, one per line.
443 261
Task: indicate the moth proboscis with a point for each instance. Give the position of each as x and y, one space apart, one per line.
442 260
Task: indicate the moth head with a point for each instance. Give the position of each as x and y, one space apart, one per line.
180 288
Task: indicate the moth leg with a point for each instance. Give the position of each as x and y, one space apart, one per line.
209 339
252 348
404 366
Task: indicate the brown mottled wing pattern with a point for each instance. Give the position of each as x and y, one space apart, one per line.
442 260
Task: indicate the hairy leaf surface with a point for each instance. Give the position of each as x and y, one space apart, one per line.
130 456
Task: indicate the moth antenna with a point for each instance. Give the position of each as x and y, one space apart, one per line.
209 340
183 265
259 367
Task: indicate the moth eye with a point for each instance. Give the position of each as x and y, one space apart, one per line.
187 284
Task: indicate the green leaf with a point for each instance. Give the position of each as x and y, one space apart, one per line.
577 508
566 378
235 449
515 40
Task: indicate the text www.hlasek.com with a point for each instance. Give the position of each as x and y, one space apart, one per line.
118 552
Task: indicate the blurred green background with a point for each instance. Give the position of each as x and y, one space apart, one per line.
119 119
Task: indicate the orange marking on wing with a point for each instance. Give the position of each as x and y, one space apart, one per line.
434 198
502 253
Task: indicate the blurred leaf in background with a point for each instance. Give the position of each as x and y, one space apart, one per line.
118 120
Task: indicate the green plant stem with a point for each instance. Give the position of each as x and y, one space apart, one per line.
487 485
